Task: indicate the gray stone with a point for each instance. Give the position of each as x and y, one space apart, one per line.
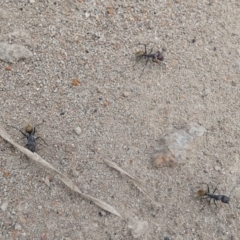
4 14
179 141
174 146
78 130
13 52
138 228
18 227
4 206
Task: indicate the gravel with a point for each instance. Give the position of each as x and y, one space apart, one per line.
82 72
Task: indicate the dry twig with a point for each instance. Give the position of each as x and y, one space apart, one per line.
35 157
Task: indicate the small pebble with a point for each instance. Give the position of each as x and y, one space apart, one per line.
75 173
8 68
102 213
18 227
106 103
126 94
4 206
163 158
138 228
206 92
217 168
78 130
12 53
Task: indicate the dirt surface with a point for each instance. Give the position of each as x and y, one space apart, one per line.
83 73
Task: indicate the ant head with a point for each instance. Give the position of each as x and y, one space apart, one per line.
160 56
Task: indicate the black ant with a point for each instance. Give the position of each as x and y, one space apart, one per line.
156 57
30 131
210 196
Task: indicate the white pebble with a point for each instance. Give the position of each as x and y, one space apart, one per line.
78 130
126 94
217 168
18 227
4 206
13 52
138 228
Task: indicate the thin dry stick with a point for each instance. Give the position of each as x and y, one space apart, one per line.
136 182
35 157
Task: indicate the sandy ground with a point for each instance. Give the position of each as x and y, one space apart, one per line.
122 114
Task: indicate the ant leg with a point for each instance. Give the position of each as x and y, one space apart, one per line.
147 55
41 139
138 59
214 202
145 45
140 56
23 133
214 190
20 131
208 188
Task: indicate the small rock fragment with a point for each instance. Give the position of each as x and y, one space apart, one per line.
102 213
17 227
4 206
46 180
8 68
163 158
179 141
44 236
138 228
75 82
206 92
75 173
126 94
13 52
217 168
78 130
236 65
174 146
110 10
106 103
3 14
